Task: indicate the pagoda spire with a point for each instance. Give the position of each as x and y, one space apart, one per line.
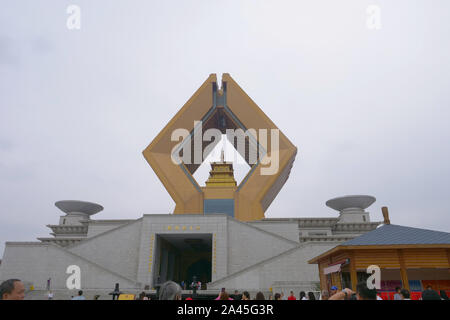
221 174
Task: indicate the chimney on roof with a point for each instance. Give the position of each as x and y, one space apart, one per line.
385 215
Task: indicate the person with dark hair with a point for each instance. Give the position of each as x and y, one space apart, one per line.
142 296
397 295
291 296
116 293
443 295
362 293
302 296
12 289
245 295
405 295
311 296
260 296
170 291
277 296
430 294
80 296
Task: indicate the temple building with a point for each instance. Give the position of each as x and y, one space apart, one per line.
218 232
268 254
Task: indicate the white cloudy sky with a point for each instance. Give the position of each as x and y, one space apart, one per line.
368 110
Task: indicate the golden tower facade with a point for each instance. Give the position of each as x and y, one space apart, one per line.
221 174
222 109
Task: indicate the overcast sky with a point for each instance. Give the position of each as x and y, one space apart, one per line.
369 110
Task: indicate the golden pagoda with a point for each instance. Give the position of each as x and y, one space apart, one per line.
221 174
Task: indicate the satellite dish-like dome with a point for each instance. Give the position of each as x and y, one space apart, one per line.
75 206
351 202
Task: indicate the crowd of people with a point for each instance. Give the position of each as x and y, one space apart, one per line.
14 289
172 291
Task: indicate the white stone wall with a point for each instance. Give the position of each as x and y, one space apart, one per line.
286 229
305 232
118 249
292 266
36 262
95 229
248 245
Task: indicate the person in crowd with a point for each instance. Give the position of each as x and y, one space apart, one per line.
116 293
12 289
291 296
362 293
142 296
311 296
79 296
325 295
260 296
443 295
220 294
302 296
333 291
404 294
245 295
277 296
282 296
430 294
397 295
224 296
170 291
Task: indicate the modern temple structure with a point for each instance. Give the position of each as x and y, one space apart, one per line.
218 232
220 250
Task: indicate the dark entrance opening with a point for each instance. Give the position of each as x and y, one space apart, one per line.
180 257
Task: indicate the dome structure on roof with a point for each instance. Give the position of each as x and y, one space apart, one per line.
77 207
352 202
